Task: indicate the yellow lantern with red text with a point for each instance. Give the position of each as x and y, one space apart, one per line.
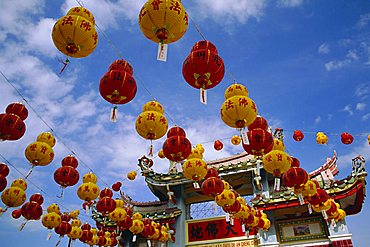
15 195
276 162
195 168
226 198
88 190
131 175
39 153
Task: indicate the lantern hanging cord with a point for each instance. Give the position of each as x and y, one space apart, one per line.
36 186
52 130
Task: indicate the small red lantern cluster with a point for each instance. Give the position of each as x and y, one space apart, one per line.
32 210
260 141
118 86
203 68
64 228
12 126
67 175
176 147
346 138
4 171
298 135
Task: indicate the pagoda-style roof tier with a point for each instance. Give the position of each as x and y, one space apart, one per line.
349 192
237 170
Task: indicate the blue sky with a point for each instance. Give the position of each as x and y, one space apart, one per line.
305 63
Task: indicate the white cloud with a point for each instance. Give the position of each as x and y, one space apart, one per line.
318 120
330 117
351 57
366 117
363 90
324 49
227 12
348 109
363 21
289 3
360 106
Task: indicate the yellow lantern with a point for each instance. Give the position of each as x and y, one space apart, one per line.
131 175
255 221
161 154
75 34
321 138
51 220
308 189
137 216
163 21
53 208
278 145
15 195
368 139
226 198
164 234
267 224
119 213
137 227
235 140
341 215
95 238
74 214
200 148
242 213
241 200
88 190
226 185
238 111
194 169
75 233
276 162
39 153
236 89
47 137
151 124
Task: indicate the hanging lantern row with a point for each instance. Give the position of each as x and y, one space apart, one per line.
233 205
12 126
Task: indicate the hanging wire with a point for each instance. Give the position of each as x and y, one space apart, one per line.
60 140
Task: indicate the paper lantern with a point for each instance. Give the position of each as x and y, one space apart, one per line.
298 135
131 175
212 186
39 153
260 142
64 228
203 69
151 124
308 189
346 138
218 145
66 176
226 198
46 137
235 90
195 168
278 145
176 147
204 45
117 87
321 138
232 209
243 212
295 177
238 111
18 109
70 160
74 34
106 204
88 190
137 227
276 162
121 65
15 195
12 127
258 123
235 140
32 210
119 213
211 172
51 220
163 21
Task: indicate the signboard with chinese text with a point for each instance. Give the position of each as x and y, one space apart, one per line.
209 232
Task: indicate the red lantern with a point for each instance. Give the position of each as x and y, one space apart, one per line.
346 138
121 65
148 231
63 229
295 162
106 205
212 186
117 186
106 193
204 45
31 210
17 213
87 235
319 197
298 135
203 69
70 160
260 142
218 145
66 176
258 123
211 172
3 182
4 169
102 241
295 177
333 208
17 109
117 87
233 209
176 131
37 198
12 127
176 148
126 223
